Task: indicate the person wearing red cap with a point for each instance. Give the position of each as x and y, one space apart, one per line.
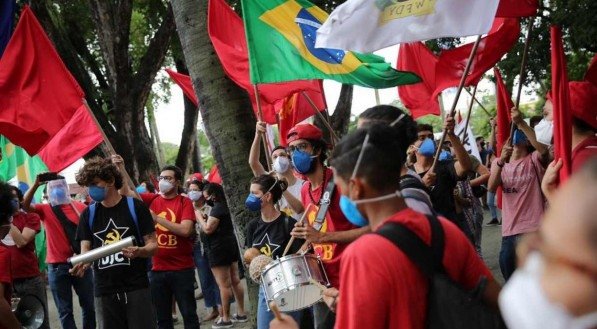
584 128
308 151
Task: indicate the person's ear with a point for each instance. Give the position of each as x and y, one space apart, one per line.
356 188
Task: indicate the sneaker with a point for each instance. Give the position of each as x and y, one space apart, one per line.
493 222
239 318
221 324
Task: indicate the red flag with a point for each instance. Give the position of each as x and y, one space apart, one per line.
503 106
517 8
214 175
39 95
418 98
452 62
80 134
185 83
591 74
560 99
227 34
445 71
295 109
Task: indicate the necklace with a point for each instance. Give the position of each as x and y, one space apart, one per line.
322 186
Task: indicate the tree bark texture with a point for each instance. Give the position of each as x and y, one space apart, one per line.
226 112
189 130
341 117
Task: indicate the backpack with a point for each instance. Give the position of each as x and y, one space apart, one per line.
449 305
131 204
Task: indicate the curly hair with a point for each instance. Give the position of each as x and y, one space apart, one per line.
100 168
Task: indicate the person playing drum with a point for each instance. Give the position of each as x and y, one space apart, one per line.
270 233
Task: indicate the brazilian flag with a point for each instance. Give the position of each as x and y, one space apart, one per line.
281 38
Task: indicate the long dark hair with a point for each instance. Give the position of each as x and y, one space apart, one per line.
268 182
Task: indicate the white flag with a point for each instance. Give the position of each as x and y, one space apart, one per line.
369 25
468 141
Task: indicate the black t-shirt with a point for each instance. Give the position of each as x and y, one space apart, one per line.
271 237
116 273
224 233
442 194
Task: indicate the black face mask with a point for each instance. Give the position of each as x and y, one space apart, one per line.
482 144
209 203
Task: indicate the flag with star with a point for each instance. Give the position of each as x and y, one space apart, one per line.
281 36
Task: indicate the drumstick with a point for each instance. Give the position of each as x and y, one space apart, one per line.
274 308
291 241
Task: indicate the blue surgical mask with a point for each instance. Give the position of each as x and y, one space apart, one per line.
519 137
97 193
445 155
303 161
253 202
427 148
141 189
15 204
57 193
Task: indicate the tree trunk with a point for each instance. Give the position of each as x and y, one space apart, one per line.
155 137
189 130
196 157
341 117
226 112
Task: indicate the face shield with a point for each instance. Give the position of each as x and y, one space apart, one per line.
58 192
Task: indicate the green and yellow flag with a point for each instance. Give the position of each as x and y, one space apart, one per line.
281 37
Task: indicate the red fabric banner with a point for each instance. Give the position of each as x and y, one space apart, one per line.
591 74
517 8
295 109
445 71
79 136
418 98
227 33
185 83
503 106
39 95
560 98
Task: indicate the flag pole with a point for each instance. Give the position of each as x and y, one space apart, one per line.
522 73
470 110
458 92
110 148
478 103
377 96
318 113
263 137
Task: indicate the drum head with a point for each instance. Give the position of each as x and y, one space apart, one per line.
298 298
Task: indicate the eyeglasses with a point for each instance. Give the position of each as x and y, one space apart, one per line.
168 178
301 147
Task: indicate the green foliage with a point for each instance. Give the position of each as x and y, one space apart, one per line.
170 152
433 120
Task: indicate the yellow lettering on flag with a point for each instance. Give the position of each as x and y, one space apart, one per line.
282 19
402 9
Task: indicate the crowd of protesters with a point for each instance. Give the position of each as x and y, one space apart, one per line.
380 181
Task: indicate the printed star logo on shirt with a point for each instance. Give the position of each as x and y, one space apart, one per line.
109 235
267 248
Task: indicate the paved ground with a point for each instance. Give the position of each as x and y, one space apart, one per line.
490 241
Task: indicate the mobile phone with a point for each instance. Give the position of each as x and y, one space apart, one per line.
48 176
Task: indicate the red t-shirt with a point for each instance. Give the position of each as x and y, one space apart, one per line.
335 221
382 288
5 275
174 252
59 249
24 262
584 151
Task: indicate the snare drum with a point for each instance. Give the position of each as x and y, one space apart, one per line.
286 281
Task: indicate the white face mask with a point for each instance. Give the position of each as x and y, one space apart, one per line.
195 195
524 304
544 131
165 186
281 164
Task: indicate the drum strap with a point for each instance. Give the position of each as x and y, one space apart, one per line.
324 205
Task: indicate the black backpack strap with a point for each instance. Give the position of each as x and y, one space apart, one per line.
427 259
70 228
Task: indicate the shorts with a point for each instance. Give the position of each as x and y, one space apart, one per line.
223 254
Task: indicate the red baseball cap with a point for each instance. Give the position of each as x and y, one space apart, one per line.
304 131
583 96
195 177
